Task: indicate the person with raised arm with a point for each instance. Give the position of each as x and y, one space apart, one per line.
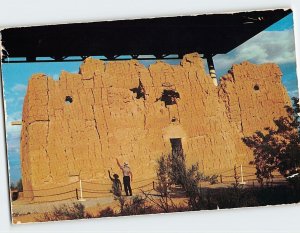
127 177
116 186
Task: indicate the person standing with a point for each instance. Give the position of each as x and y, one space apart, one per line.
127 177
116 186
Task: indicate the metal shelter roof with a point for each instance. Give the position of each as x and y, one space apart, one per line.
206 34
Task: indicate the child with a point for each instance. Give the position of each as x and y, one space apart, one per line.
116 186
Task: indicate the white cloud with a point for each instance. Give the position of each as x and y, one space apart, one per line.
19 88
293 93
15 100
11 130
268 46
13 133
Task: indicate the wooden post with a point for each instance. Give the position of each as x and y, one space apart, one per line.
242 176
77 194
80 187
13 123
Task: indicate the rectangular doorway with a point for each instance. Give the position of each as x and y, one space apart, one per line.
176 146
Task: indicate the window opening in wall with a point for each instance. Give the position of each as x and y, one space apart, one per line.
176 146
169 97
140 91
68 99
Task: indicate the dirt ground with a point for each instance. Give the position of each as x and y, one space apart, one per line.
26 213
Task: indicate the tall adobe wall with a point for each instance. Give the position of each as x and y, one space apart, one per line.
106 120
253 96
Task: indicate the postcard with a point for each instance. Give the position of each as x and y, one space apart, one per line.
149 116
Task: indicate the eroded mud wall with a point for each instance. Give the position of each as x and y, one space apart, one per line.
253 96
81 123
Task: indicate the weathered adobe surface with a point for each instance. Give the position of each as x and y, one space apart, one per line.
106 120
253 96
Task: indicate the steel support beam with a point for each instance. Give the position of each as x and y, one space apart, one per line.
211 68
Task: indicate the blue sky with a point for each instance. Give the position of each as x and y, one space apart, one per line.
275 44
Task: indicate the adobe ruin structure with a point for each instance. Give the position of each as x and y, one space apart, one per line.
79 125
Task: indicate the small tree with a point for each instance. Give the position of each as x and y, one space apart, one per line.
279 148
172 170
163 175
19 185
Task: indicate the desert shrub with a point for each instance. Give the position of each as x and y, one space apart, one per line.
234 197
107 212
213 179
66 212
239 196
172 170
162 202
135 206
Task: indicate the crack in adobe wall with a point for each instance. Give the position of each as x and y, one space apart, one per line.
38 121
224 96
96 127
241 122
48 125
25 165
95 113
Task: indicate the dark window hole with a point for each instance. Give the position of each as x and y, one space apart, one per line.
139 91
169 97
256 87
68 100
